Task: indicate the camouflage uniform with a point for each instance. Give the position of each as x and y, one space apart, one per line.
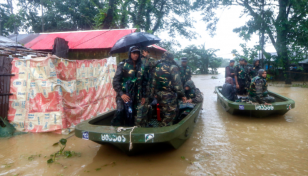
241 73
193 92
167 86
127 73
185 74
253 71
142 110
258 90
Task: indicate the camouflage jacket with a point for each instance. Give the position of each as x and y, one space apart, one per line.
185 74
125 72
258 89
149 63
167 78
253 71
193 92
240 71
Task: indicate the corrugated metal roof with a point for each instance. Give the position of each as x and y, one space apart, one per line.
97 39
160 48
6 42
23 38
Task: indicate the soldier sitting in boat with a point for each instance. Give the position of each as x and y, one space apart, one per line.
258 89
130 87
193 94
229 90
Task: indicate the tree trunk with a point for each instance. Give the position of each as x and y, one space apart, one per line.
281 44
206 65
107 24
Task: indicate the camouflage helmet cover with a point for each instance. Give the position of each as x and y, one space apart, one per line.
168 56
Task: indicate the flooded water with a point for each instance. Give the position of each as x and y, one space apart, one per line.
221 144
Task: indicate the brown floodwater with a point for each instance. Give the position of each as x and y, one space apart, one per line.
221 144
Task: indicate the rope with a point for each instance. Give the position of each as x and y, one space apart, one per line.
119 129
130 139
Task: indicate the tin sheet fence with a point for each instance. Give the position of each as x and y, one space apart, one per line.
53 94
5 74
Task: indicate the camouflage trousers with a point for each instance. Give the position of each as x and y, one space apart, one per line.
142 112
168 102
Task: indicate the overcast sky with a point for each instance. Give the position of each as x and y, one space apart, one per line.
225 39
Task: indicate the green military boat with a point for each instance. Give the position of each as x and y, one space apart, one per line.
99 130
281 106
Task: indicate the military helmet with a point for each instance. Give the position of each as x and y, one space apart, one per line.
168 56
260 72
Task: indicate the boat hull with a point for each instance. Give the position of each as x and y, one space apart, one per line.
282 106
143 139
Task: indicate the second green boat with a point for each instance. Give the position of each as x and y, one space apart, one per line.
281 106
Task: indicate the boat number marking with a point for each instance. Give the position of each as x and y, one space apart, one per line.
241 107
85 135
148 137
289 107
113 138
264 107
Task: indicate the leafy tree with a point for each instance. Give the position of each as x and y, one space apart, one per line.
199 57
248 53
215 62
8 19
147 16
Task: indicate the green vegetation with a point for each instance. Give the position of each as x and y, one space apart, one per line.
72 15
61 153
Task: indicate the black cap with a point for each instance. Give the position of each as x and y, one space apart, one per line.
231 61
184 59
135 49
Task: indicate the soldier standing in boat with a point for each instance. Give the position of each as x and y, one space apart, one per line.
258 89
230 70
148 63
185 71
167 86
241 77
130 87
253 71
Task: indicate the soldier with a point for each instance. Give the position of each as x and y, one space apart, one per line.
130 88
253 71
241 77
185 71
230 70
258 89
228 90
166 86
193 94
148 63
